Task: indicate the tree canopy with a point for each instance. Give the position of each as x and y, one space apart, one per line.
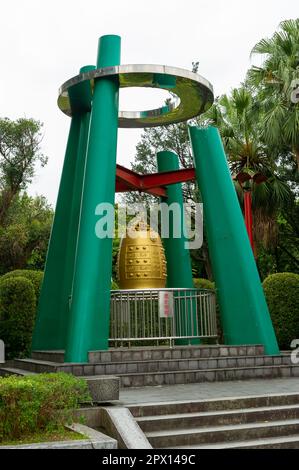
25 222
20 152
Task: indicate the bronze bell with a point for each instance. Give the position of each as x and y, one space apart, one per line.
141 260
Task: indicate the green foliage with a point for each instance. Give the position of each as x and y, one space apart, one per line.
201 283
17 315
272 83
19 153
35 277
25 234
282 293
41 402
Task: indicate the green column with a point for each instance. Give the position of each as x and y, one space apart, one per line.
53 310
90 306
51 323
244 312
81 97
179 269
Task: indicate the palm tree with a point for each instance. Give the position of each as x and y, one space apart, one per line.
273 83
251 160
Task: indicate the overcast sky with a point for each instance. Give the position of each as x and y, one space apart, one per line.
44 43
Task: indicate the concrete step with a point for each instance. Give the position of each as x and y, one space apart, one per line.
6 371
218 418
214 405
281 442
35 365
161 365
156 353
208 375
128 367
217 434
51 356
173 371
177 352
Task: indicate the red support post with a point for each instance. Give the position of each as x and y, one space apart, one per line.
248 216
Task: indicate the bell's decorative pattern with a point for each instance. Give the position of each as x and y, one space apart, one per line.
141 260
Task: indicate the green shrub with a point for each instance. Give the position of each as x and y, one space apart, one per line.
41 402
36 277
282 294
201 283
17 315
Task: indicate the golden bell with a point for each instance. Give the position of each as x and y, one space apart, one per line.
141 260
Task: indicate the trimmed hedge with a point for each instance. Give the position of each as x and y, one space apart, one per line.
282 294
41 402
201 283
19 294
36 277
17 315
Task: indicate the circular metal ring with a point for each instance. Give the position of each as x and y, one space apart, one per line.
192 94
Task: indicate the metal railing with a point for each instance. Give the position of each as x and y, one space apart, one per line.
162 315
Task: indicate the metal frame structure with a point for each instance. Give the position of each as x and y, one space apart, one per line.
135 316
191 93
74 305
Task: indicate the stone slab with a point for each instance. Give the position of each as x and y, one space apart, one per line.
120 423
103 388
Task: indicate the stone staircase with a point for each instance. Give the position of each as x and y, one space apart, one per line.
150 366
254 422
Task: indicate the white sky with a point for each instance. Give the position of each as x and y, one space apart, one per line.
43 43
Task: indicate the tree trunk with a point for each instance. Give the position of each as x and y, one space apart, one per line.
207 261
296 154
6 200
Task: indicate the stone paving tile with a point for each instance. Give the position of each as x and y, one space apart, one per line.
204 390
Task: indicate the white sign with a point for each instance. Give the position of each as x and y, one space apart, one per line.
295 92
295 353
166 304
2 351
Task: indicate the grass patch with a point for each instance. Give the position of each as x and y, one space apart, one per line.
49 436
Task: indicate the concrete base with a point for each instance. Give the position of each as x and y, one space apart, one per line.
103 388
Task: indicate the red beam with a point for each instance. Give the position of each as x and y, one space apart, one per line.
168 177
122 187
129 180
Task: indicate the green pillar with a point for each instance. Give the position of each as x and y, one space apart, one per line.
179 269
244 312
90 306
53 309
81 97
51 323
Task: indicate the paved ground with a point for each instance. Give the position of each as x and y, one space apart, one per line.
207 390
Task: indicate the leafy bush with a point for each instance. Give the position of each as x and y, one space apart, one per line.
39 402
201 283
36 277
282 293
17 314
